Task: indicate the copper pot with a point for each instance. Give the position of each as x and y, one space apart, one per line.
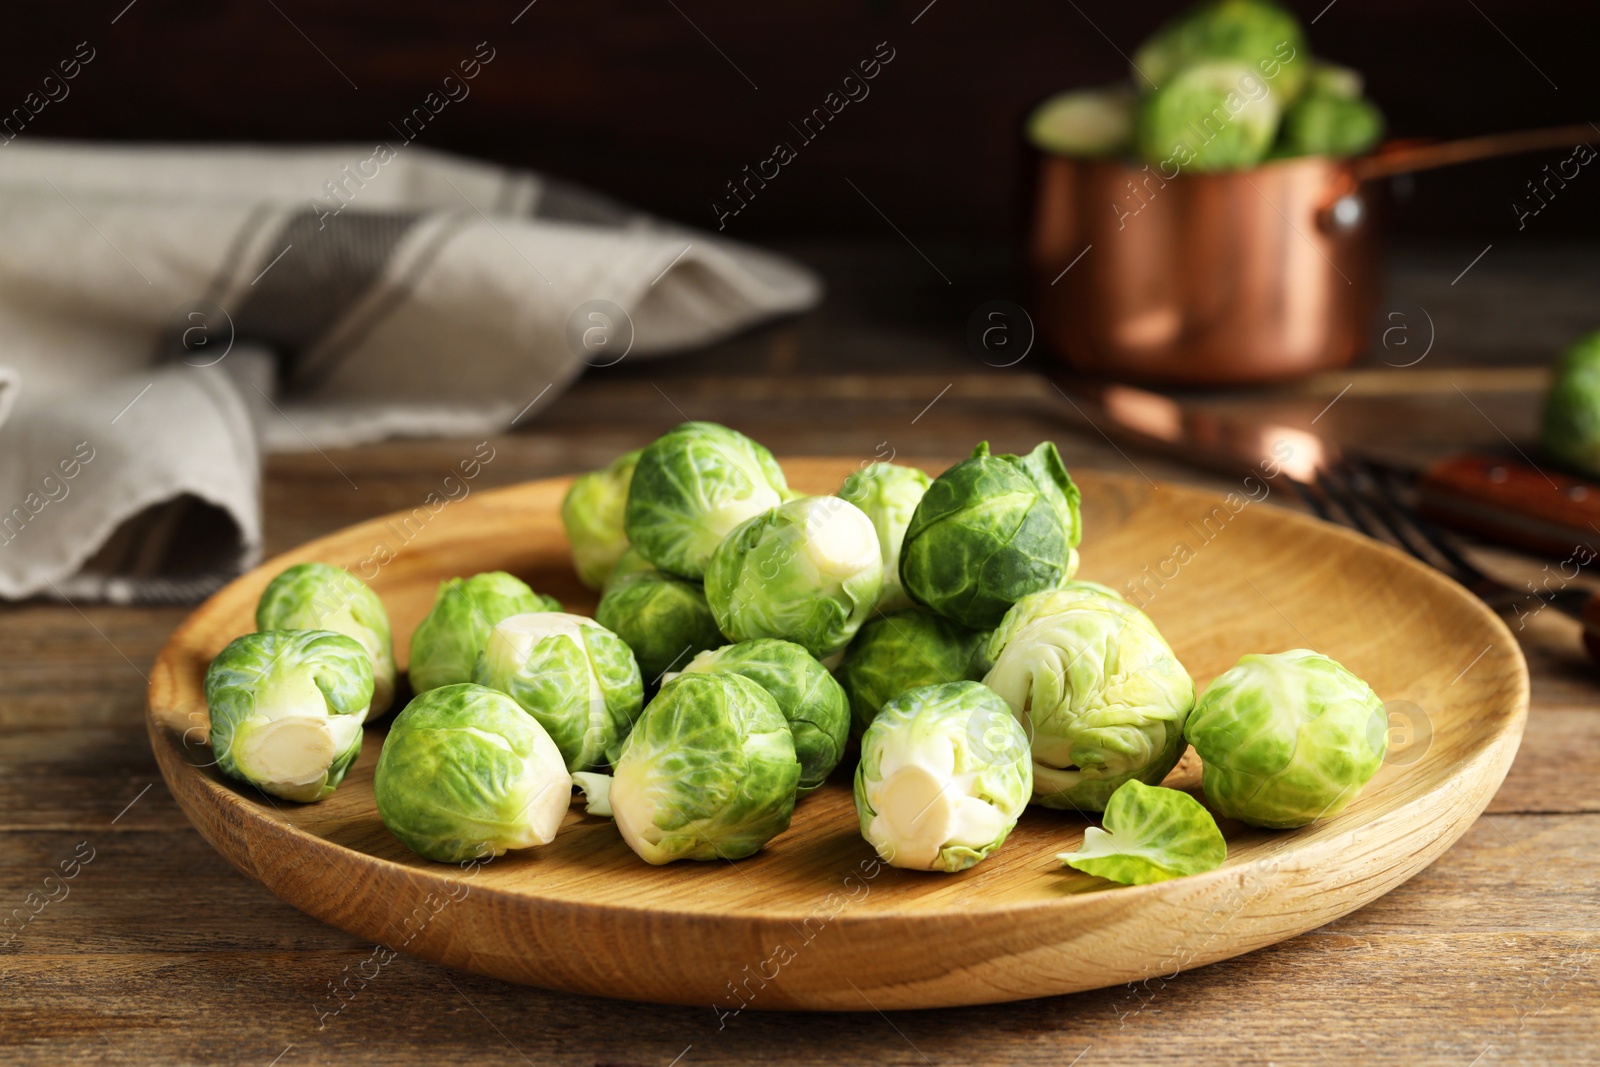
1213 279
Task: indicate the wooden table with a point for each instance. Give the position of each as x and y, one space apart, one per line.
158 952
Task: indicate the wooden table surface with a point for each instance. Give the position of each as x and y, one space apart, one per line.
158 952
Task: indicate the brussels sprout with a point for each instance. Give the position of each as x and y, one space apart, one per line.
592 513
665 620
815 707
1086 123
989 531
465 774
944 774
807 571
1035 606
693 485
888 494
708 773
1098 691
286 710
1029 609
1151 834
1322 124
1209 117
1262 37
315 596
446 643
575 676
907 650
1330 79
1569 429
1287 738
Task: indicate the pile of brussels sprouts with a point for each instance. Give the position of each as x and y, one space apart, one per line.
937 622
1228 84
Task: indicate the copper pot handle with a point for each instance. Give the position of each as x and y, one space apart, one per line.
1403 157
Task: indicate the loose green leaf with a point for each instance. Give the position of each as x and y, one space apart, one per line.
1151 834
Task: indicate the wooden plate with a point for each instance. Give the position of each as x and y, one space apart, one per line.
813 922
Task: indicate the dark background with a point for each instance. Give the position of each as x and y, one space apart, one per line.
629 97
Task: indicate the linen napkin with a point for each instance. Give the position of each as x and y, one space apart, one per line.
167 314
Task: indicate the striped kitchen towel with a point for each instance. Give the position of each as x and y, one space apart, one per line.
166 314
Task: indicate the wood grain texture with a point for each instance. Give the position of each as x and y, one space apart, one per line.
778 930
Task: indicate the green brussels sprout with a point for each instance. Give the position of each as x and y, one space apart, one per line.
989 531
888 494
1030 608
1569 428
814 705
807 571
1085 123
1322 124
907 650
665 620
1151 834
446 644
1331 79
944 774
709 772
1035 606
315 596
286 709
1287 738
1212 116
1262 37
1098 691
592 513
693 485
575 676
466 774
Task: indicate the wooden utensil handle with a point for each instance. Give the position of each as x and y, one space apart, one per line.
1546 512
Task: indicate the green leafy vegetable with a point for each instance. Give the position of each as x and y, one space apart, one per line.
709 772
665 620
467 774
806 571
888 494
989 531
1569 428
286 708
447 642
812 703
1099 691
693 485
592 512
906 650
1287 738
1151 834
943 777
315 596
578 679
